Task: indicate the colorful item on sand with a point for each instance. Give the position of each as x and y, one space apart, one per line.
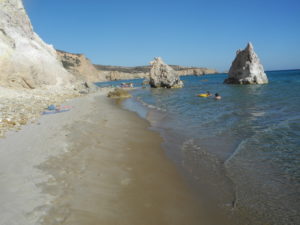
51 107
54 112
64 107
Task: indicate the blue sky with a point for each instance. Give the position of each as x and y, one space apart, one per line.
188 32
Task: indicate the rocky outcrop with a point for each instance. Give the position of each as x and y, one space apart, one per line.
119 93
246 68
80 66
117 75
185 71
162 75
124 73
25 60
196 72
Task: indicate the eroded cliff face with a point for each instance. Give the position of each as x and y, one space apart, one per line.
80 66
184 71
124 73
116 75
25 60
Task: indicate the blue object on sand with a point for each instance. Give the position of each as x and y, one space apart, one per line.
51 107
54 112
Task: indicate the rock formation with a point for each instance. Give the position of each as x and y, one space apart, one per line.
80 66
25 60
246 68
162 75
119 93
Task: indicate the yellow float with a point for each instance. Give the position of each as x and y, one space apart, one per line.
203 95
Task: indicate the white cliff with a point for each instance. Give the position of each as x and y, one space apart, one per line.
31 75
246 68
162 75
25 60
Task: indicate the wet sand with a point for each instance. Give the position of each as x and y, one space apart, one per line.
97 164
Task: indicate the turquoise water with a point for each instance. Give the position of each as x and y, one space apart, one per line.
242 151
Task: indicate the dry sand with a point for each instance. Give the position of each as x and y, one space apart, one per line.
97 164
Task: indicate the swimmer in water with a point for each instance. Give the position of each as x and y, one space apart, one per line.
218 97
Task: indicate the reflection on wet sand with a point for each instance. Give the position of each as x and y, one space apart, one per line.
116 173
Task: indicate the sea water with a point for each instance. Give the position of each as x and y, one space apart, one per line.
243 151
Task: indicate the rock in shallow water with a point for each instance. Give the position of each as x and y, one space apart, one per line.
246 68
162 75
119 93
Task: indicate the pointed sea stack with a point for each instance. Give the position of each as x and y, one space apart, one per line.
246 68
163 76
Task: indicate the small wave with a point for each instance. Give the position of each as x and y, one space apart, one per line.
271 137
209 173
150 106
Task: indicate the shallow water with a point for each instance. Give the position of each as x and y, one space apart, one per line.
242 151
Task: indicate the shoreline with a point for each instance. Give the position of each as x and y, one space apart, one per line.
250 189
97 164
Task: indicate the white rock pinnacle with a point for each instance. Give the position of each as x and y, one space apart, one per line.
246 68
162 75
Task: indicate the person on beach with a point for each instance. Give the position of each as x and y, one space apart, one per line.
217 96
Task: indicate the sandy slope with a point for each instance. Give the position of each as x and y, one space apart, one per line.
97 164
20 154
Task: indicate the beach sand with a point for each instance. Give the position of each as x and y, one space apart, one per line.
96 164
